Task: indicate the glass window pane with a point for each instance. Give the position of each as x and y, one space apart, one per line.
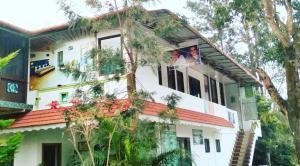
180 81
171 77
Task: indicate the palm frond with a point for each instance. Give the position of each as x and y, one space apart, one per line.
4 61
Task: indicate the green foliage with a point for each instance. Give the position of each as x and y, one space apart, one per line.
168 27
172 100
277 138
4 61
8 150
114 134
221 17
9 147
5 123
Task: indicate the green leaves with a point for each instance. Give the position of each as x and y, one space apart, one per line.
168 27
11 145
221 17
4 61
277 138
5 123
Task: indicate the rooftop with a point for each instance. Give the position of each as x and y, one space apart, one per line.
211 54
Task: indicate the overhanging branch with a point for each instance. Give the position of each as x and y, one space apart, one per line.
273 92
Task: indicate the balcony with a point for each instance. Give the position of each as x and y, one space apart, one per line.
146 80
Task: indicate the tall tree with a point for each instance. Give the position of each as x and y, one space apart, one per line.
122 136
276 146
139 45
273 28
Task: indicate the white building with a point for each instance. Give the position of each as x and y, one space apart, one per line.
217 105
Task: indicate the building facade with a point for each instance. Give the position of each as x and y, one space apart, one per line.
216 113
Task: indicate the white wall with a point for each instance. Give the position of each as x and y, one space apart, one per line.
147 80
213 158
30 151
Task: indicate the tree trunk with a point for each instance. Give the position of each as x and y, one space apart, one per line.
292 80
269 158
131 90
292 105
131 85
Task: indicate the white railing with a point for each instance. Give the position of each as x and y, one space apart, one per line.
196 104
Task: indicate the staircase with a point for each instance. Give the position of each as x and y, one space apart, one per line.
241 154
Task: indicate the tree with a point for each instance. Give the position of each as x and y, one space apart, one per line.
273 38
103 125
121 139
276 146
139 45
11 144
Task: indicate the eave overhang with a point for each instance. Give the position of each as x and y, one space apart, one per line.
211 54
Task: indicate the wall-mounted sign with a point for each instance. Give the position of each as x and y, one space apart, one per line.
197 136
12 87
186 56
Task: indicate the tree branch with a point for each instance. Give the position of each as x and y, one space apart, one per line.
289 21
269 15
268 84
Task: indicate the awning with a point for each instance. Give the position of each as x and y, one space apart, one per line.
13 107
211 54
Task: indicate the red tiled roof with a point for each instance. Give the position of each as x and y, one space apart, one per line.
55 116
39 118
187 115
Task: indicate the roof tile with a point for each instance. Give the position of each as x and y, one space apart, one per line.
55 116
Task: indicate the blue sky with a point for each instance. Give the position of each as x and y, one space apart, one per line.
36 14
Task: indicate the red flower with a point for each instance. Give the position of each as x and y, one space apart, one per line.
53 104
75 101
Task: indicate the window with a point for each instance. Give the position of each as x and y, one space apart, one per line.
222 94
197 136
110 42
248 91
32 55
113 64
214 92
64 97
60 58
184 144
207 146
171 77
195 88
175 79
51 154
159 75
206 87
231 117
218 145
180 81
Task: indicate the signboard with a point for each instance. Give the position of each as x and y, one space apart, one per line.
12 87
186 56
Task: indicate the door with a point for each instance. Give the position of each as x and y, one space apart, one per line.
184 143
51 154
